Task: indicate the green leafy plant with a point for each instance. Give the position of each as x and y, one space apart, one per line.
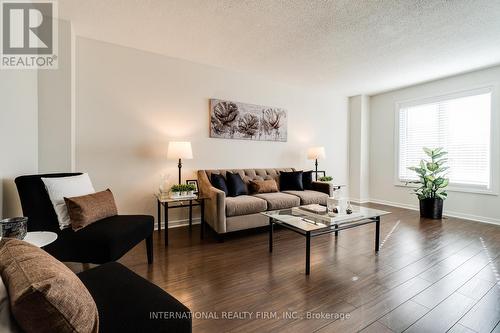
182 188
431 175
176 188
325 179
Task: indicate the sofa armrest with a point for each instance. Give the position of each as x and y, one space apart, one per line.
323 187
215 203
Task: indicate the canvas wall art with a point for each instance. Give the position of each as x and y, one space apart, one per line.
234 120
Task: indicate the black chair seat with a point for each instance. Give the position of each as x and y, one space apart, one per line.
102 241
126 301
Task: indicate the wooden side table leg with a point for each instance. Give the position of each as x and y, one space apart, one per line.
159 216
202 221
271 234
165 208
190 215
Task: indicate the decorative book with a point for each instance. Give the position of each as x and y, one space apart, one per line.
314 208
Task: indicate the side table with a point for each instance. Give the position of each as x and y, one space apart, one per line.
40 238
168 203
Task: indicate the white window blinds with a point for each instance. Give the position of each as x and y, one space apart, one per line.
458 123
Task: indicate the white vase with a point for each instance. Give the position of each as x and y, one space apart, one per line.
175 194
342 205
164 183
184 193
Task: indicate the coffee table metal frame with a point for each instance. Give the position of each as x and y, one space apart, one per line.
374 217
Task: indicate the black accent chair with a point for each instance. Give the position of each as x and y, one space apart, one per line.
127 302
101 242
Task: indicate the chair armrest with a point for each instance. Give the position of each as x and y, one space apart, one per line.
215 203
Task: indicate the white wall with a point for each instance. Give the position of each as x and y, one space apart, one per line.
359 148
35 122
54 109
382 107
18 134
130 103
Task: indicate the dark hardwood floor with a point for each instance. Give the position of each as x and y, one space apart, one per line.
429 276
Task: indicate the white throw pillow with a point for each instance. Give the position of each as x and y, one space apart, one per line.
7 322
68 187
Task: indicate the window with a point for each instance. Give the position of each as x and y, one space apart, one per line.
461 124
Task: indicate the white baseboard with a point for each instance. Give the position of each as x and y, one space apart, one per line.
395 204
484 219
177 223
459 215
359 201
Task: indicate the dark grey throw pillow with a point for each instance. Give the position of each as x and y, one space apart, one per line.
235 185
219 182
307 179
291 181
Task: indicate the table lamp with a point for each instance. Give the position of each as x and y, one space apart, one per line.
179 150
316 153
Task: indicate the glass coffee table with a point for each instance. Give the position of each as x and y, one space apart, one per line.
311 224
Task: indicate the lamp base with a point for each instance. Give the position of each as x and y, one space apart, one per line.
316 165
180 168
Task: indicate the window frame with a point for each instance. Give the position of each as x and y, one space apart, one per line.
494 136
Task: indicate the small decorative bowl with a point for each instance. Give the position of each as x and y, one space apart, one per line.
15 227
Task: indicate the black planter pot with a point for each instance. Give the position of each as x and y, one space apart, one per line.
431 208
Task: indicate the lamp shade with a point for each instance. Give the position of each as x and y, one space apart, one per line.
179 150
316 153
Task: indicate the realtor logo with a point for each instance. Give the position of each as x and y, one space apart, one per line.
29 34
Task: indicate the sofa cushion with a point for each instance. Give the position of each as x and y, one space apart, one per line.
235 185
307 180
244 204
279 200
310 197
219 183
251 174
263 186
45 295
61 187
87 209
291 181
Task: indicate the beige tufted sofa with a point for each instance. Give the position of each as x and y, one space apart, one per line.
227 214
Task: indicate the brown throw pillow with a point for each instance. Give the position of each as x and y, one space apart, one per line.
263 186
90 208
45 295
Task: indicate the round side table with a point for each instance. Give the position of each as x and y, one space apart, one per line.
40 238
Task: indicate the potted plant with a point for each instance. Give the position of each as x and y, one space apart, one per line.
325 179
432 181
190 188
176 190
184 190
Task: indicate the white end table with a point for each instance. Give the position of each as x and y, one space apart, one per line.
40 238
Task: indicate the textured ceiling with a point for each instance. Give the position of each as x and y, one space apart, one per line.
351 46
